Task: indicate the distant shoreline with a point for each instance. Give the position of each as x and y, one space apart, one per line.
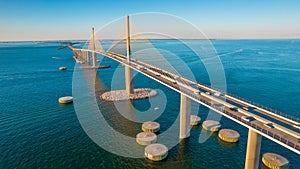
60 41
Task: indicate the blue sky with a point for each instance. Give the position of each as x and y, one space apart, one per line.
73 19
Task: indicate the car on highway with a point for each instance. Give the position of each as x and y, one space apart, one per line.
269 125
233 108
248 118
297 126
245 108
251 107
141 67
197 92
218 105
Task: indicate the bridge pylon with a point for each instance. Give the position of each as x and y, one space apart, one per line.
185 116
128 72
253 150
94 47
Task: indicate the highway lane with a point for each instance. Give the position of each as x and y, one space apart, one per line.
278 133
258 111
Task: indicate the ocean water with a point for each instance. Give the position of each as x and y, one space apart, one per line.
37 132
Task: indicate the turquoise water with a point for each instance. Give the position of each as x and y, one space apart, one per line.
37 132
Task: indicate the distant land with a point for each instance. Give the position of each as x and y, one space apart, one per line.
81 40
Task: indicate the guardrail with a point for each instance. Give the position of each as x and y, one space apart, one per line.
267 132
255 104
283 140
263 130
235 96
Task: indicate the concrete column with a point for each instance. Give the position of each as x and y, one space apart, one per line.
128 72
94 58
84 56
81 55
185 115
94 47
88 57
253 150
129 80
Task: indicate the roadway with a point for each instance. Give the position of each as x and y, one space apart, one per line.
277 128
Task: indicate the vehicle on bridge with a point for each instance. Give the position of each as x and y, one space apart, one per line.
233 108
269 125
248 118
297 126
217 94
245 108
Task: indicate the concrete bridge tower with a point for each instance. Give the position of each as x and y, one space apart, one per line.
253 150
128 71
94 47
185 114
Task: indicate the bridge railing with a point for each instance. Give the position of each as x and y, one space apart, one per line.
284 140
277 137
256 104
267 108
290 143
237 97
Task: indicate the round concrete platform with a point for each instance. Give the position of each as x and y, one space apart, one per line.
211 125
62 68
65 100
156 152
121 95
151 126
95 67
275 161
229 135
146 138
195 120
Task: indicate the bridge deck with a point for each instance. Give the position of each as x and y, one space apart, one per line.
235 109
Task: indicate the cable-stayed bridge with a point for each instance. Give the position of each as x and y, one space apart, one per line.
278 127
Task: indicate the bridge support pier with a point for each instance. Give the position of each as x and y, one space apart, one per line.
128 71
82 55
87 58
94 47
86 55
185 116
129 80
253 150
94 59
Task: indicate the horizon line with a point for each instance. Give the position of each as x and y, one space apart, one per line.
64 40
